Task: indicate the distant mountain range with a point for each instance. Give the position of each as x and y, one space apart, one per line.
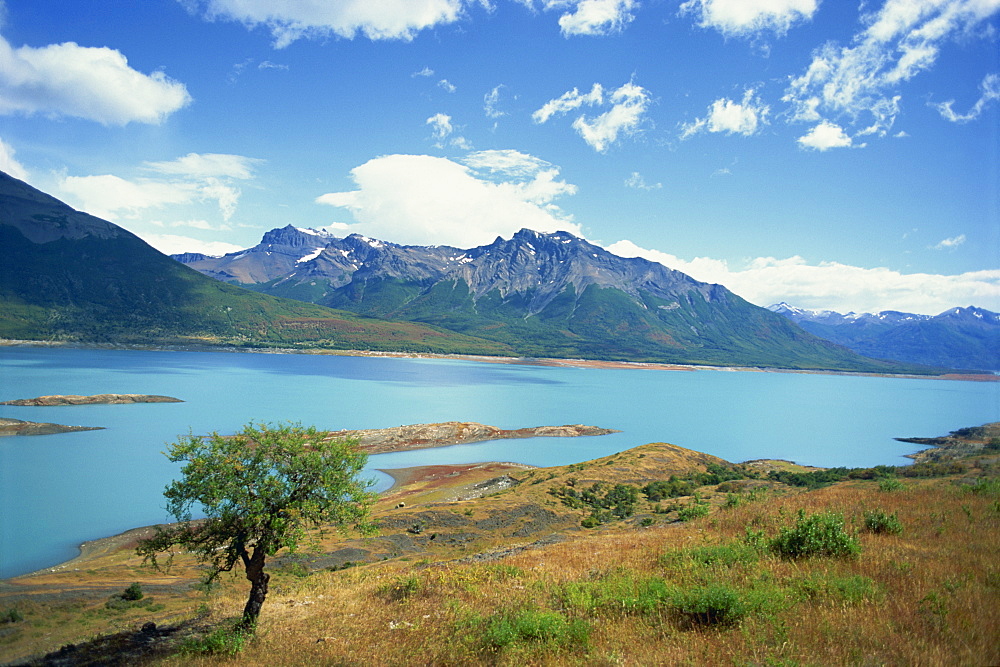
961 338
541 294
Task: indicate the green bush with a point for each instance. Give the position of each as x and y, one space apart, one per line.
987 485
132 593
401 588
548 629
729 554
692 511
889 484
882 523
225 640
851 589
11 616
820 534
712 605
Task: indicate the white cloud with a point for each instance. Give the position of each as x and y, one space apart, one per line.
84 82
725 115
447 86
432 200
741 18
825 136
171 244
589 17
207 165
9 164
427 71
289 21
990 88
953 242
490 102
597 17
107 196
841 287
637 182
441 125
194 177
628 107
900 40
569 101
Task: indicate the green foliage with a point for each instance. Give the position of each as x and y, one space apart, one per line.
713 605
11 616
606 504
819 534
882 523
693 511
890 484
729 554
133 592
542 629
987 486
225 640
261 490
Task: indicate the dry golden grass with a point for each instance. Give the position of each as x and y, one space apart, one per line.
932 595
929 595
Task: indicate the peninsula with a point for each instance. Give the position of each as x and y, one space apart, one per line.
20 427
106 399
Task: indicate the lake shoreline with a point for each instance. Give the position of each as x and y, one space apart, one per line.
520 361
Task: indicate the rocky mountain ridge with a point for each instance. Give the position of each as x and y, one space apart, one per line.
961 338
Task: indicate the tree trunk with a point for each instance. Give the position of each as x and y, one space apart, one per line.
258 588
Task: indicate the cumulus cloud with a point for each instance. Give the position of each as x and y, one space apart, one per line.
441 125
172 244
725 115
841 287
596 17
84 82
990 88
953 242
588 17
447 86
376 20
432 200
628 106
192 178
825 136
860 82
9 164
742 18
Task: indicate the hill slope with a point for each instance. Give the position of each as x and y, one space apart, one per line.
67 275
541 294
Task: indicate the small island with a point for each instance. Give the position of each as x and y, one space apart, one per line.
19 427
103 399
424 436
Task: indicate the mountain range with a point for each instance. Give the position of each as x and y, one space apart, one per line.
69 276
542 294
957 338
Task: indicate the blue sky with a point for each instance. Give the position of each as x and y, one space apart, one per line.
830 154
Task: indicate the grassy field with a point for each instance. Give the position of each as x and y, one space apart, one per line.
878 568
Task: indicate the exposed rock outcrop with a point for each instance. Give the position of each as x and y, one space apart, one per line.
19 427
421 436
109 399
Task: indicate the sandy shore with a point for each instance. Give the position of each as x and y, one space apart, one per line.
522 361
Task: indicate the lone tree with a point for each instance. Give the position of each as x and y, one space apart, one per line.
261 490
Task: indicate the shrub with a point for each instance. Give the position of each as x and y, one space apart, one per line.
133 592
889 484
546 628
709 606
692 511
820 534
851 589
882 523
225 640
988 485
724 554
401 588
11 616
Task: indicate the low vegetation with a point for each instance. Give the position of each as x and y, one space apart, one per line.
846 572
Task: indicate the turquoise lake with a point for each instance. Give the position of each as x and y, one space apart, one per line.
57 491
